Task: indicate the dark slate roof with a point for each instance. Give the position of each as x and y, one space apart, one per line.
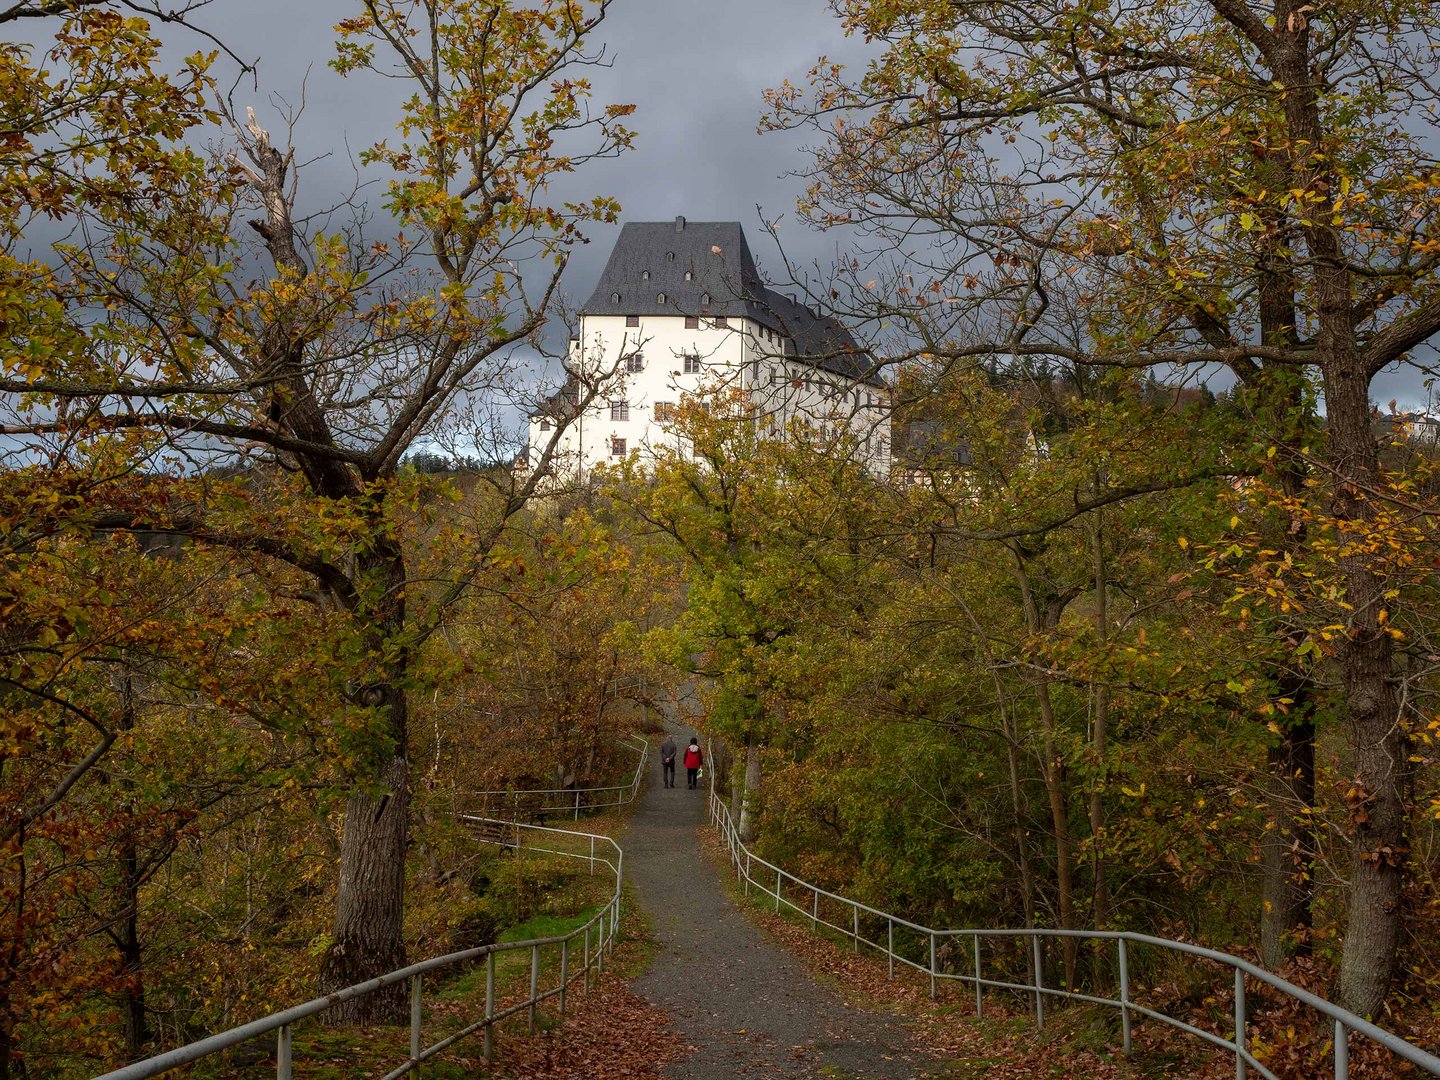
723 282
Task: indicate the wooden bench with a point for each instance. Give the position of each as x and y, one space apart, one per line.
495 832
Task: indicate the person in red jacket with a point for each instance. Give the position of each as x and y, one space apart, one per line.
693 760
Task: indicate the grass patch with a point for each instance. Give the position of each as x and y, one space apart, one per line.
543 926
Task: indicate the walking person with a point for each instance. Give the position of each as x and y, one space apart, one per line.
693 760
667 760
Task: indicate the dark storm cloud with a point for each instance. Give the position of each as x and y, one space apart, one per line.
694 69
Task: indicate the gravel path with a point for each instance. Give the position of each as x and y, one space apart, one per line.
747 1008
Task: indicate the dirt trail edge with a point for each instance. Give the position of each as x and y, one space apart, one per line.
745 1006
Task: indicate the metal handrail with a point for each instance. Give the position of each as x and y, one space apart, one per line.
573 796
605 923
746 862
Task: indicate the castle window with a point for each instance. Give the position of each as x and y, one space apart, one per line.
692 322
619 410
721 321
617 447
660 298
544 425
692 363
644 275
664 410
632 320
635 362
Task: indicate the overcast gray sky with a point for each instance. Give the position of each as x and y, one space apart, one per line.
695 70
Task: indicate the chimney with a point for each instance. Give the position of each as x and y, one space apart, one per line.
679 224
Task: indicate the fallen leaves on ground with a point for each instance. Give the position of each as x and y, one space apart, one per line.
611 1031
1001 1046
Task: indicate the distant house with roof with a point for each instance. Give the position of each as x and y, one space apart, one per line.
680 311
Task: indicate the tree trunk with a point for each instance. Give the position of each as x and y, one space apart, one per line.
1287 848
1017 807
367 939
1100 910
1052 765
1055 791
1377 740
132 998
368 935
750 804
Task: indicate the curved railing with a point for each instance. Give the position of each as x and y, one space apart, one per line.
747 863
571 800
593 940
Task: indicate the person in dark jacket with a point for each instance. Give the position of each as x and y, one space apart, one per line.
693 760
667 760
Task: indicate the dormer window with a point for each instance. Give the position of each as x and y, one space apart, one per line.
705 299
689 275
614 297
669 256
660 298
644 275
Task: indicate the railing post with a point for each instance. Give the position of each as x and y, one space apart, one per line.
1039 982
283 1043
1239 1024
534 983
415 1018
890 945
1342 1051
777 892
932 966
489 1005
600 947
564 972
815 910
855 926
979 1000
1124 994
587 959
592 856
577 804
747 873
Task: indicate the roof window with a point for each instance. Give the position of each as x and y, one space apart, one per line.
705 298
614 297
669 256
689 275
660 298
644 275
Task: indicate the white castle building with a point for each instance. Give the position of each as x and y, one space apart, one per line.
680 311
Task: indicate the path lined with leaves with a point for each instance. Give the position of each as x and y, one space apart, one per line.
740 1005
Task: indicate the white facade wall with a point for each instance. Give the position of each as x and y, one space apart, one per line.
742 353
